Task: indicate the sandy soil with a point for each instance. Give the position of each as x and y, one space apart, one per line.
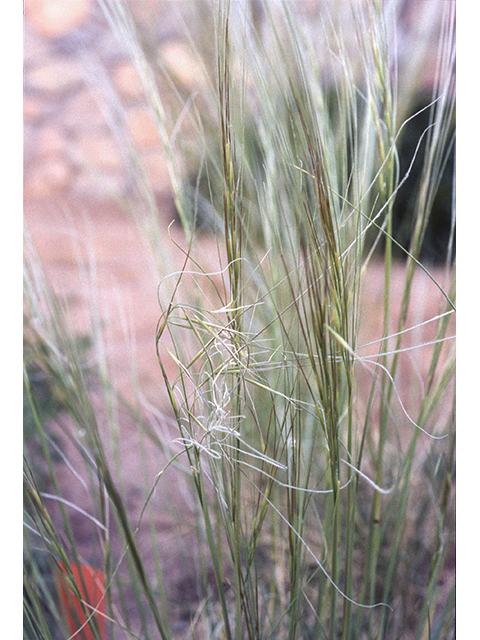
74 181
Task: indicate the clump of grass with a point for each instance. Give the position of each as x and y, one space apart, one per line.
322 485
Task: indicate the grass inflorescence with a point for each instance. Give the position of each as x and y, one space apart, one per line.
314 446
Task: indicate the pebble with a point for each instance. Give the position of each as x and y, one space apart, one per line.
127 82
156 170
52 176
55 77
99 150
181 64
99 186
68 141
68 112
50 141
53 18
33 109
142 128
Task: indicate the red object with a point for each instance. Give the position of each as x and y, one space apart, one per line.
91 586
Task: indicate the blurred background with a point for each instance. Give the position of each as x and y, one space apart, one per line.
87 129
78 80
92 157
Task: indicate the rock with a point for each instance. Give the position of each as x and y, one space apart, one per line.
50 142
55 76
30 146
142 128
181 64
33 109
156 170
99 186
53 18
47 178
99 150
127 82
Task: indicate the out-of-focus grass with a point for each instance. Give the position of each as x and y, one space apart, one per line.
318 464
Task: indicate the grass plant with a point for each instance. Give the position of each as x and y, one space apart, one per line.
317 457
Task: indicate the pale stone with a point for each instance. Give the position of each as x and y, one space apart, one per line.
156 170
53 18
92 184
33 108
142 128
46 178
127 82
55 76
99 150
50 142
30 142
180 63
